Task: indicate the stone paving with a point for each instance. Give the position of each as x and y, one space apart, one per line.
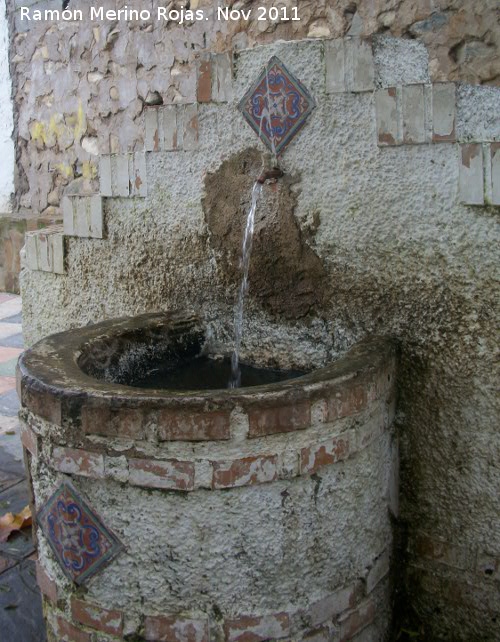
20 602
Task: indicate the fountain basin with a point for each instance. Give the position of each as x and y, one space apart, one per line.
250 514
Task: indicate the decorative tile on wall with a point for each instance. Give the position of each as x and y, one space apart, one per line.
79 540
277 106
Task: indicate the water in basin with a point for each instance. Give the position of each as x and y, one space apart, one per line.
205 373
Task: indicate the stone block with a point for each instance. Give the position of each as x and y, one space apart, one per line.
387 117
413 114
346 401
109 422
57 240
244 472
44 247
172 127
443 112
83 216
495 173
471 174
137 173
41 403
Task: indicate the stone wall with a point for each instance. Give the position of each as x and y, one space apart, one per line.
67 114
390 196
6 119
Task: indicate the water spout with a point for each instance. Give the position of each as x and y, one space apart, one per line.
270 174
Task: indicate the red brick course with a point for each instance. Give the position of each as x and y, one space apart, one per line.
47 586
67 632
76 461
193 426
97 618
29 439
352 623
123 422
41 403
334 604
169 474
348 400
279 419
255 628
243 472
173 629
314 457
204 90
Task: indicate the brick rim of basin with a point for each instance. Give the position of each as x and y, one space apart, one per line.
52 385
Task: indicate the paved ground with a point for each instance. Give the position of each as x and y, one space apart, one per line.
20 602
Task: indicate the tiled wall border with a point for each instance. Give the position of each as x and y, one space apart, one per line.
413 114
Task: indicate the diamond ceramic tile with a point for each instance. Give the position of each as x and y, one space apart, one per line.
80 541
277 106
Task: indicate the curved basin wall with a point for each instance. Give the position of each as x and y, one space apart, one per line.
233 515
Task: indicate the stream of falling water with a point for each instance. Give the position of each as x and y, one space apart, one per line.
245 265
235 381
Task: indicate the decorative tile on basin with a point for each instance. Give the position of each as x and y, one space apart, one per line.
277 105
80 541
